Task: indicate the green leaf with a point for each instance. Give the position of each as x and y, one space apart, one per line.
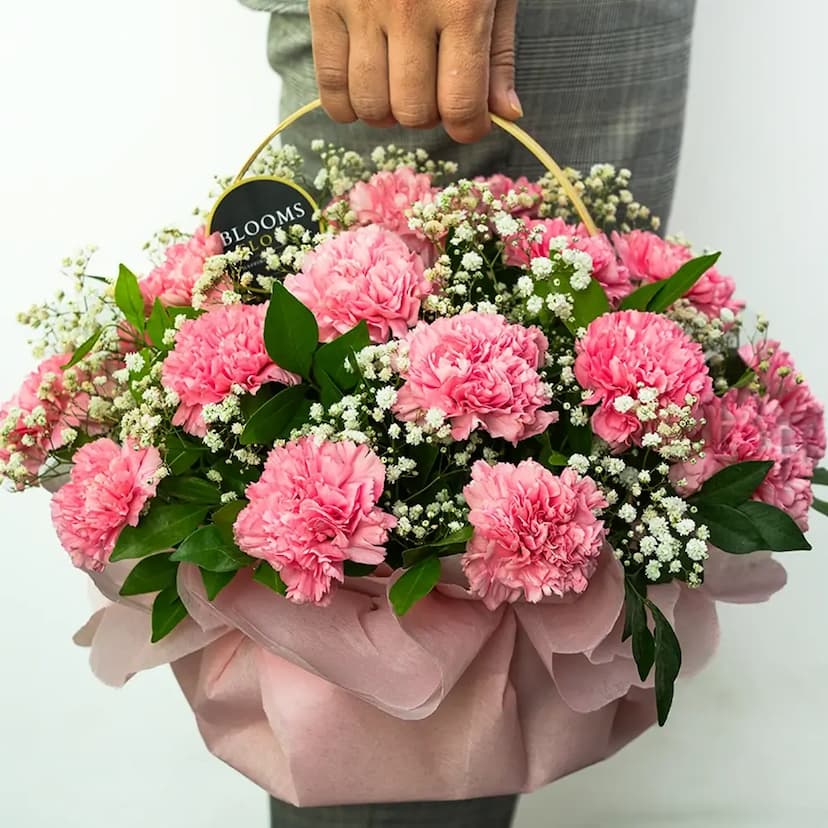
331 358
182 453
733 485
225 517
168 611
358 570
84 349
730 530
238 476
290 333
640 298
589 304
635 625
329 391
820 477
215 582
150 575
681 282
161 528
820 506
415 584
274 418
265 574
251 403
778 529
450 545
128 298
207 548
157 324
667 663
190 490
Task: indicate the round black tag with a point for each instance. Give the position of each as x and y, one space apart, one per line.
249 213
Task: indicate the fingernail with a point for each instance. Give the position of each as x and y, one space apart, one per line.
514 102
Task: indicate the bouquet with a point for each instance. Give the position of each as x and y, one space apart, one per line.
440 470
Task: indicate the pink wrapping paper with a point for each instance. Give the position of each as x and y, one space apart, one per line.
351 704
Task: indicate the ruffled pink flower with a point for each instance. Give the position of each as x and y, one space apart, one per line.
172 281
534 241
386 200
535 533
314 508
649 258
32 422
481 372
108 487
530 194
627 351
220 349
776 371
364 274
741 427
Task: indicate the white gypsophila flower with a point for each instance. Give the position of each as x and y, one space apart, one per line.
471 261
668 548
134 362
525 286
696 550
435 418
394 431
615 465
651 440
413 434
686 527
580 280
627 513
541 267
534 305
505 224
486 307
647 395
653 570
386 397
623 403
648 545
214 476
579 463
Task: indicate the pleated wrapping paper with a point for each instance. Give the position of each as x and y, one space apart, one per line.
351 704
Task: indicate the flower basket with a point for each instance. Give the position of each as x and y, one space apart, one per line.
403 541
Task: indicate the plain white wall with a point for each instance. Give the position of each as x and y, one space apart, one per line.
115 115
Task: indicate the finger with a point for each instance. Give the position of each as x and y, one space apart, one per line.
463 79
368 77
412 75
330 57
503 99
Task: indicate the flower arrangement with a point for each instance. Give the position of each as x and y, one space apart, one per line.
454 389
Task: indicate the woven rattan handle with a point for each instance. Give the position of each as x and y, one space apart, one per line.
513 129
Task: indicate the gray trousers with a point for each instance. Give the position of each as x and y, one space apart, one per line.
600 81
491 812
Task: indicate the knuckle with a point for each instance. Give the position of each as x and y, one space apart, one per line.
503 57
331 77
463 112
416 114
369 108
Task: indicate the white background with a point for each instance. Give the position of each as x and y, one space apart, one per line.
114 115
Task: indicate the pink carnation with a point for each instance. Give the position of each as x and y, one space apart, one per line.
220 349
625 352
529 193
364 274
534 241
480 371
172 281
32 422
535 533
386 200
108 488
314 508
741 426
649 258
780 381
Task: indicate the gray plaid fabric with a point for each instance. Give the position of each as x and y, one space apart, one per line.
492 812
600 80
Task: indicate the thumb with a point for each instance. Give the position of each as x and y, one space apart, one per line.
503 99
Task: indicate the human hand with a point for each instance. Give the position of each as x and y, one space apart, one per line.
417 62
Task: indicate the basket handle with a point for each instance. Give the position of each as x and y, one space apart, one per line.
511 128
